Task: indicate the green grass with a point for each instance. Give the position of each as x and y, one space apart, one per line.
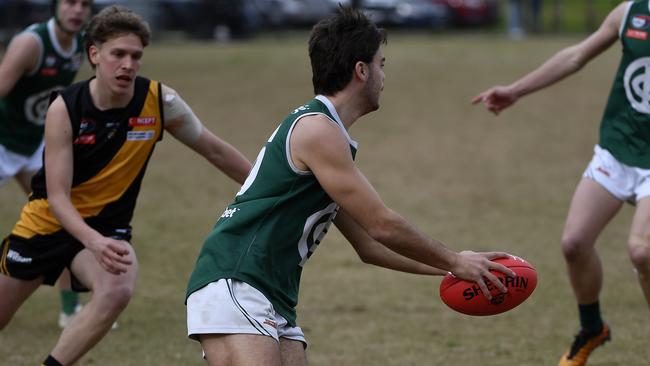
470 179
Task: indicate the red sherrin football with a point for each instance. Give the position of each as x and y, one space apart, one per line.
467 298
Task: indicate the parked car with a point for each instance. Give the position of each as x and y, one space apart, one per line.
403 13
465 13
296 13
207 19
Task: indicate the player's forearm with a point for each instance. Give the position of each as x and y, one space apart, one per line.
558 67
386 258
232 162
403 238
71 220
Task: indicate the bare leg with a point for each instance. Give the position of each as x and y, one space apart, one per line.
111 294
15 293
293 353
591 209
240 349
639 245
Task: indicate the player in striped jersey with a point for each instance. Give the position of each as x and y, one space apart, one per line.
100 134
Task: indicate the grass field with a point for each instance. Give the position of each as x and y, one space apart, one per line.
473 180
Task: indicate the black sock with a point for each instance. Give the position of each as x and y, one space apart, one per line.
590 319
51 361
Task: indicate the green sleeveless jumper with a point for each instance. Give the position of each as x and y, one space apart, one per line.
625 127
22 111
279 217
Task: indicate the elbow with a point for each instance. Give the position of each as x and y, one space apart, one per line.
381 230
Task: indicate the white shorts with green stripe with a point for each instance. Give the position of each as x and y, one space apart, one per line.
229 306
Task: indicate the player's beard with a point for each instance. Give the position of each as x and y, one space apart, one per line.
372 92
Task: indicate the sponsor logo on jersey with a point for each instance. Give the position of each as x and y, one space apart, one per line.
89 139
636 34
300 109
140 135
14 256
142 121
640 21
74 64
229 212
49 71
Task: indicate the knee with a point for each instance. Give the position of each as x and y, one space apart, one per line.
574 247
639 250
115 298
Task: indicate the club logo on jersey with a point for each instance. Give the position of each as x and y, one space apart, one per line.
36 105
142 121
49 66
86 126
640 21
314 231
637 84
50 61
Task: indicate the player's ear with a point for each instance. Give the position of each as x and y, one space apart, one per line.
361 70
93 54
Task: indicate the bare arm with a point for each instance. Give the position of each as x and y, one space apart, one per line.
564 63
372 252
317 144
110 253
20 58
183 124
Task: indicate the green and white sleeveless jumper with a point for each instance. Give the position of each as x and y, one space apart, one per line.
279 217
22 111
625 127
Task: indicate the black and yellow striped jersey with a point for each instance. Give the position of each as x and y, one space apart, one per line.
111 149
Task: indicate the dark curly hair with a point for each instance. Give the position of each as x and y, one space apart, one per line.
337 43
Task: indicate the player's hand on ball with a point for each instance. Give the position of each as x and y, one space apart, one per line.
476 267
467 297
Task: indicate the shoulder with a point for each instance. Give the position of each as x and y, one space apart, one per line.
23 54
57 113
315 129
26 43
617 16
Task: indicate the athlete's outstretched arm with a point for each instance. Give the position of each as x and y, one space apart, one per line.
317 144
110 253
20 58
372 252
564 63
183 124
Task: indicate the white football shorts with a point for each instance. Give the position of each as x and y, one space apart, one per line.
12 163
233 307
625 182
